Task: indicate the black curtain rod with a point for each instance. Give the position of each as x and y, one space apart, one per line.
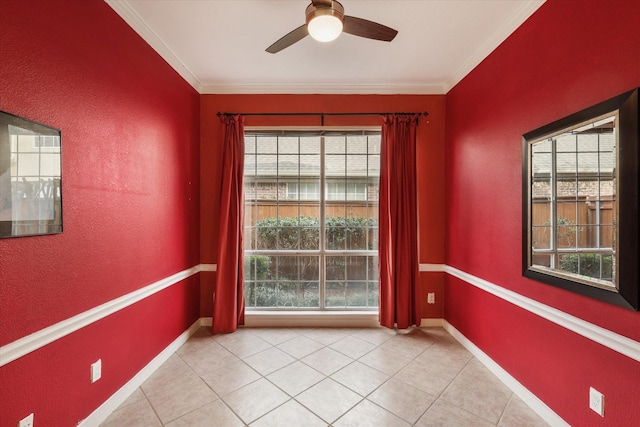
424 113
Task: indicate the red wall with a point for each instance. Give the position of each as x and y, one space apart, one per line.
130 172
569 55
430 139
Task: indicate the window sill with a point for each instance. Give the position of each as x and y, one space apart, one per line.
292 319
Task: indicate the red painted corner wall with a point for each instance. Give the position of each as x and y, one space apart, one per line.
430 139
567 56
130 170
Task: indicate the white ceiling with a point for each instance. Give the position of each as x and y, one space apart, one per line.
218 46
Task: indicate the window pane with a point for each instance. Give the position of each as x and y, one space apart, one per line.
335 165
335 268
374 144
335 236
310 166
566 142
287 145
357 144
288 236
287 268
309 269
249 145
267 144
310 145
356 267
356 294
356 165
335 294
334 145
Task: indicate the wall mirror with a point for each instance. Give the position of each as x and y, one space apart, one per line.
580 202
30 178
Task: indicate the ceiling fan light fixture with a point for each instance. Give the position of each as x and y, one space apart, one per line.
325 23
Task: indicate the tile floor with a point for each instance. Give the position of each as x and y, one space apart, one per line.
322 376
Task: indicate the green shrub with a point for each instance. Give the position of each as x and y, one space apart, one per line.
304 233
587 265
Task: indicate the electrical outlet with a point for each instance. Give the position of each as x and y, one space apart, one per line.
431 298
596 401
26 421
96 371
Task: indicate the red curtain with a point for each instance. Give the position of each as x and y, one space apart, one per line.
228 297
398 223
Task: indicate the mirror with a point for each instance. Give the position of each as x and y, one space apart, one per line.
580 202
30 178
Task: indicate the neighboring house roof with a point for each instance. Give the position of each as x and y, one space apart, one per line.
596 154
287 157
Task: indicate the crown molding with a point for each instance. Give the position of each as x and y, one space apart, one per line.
339 89
133 19
521 14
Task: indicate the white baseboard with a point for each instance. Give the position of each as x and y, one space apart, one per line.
311 319
103 411
537 405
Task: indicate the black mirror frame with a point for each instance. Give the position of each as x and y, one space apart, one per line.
7 119
627 294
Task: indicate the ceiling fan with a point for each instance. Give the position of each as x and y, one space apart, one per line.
326 20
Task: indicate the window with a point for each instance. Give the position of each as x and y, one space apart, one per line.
307 248
579 195
303 190
344 191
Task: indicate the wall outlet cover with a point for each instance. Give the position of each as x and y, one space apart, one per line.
26 421
96 371
596 401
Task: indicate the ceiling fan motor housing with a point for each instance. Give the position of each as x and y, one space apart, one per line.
336 9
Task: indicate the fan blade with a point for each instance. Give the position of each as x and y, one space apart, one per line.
291 38
368 29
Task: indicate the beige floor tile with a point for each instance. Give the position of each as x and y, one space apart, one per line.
378 377
326 336
254 400
360 378
183 398
295 378
432 377
445 350
328 399
198 344
230 377
353 347
441 414
269 360
518 414
300 346
134 397
405 401
368 414
290 414
327 360
208 359
138 414
275 336
477 391
376 336
213 414
245 345
409 346
172 372
385 360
